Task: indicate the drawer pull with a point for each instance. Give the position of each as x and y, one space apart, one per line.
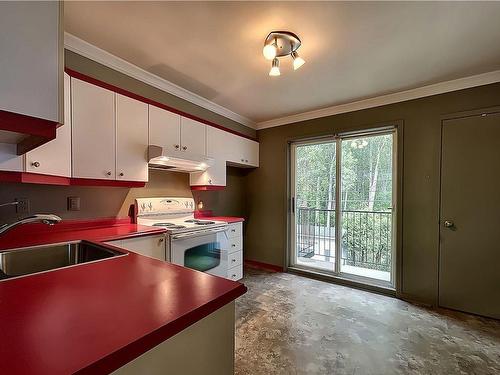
233 245
233 230
233 260
35 164
233 275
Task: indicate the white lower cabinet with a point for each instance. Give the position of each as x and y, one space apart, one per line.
234 247
151 246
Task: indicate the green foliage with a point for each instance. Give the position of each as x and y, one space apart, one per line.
366 186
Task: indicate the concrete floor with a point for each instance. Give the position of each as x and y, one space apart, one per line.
288 324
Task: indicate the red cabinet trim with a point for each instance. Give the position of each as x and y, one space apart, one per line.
35 178
207 187
38 131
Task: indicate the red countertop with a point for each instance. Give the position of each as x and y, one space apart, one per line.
95 317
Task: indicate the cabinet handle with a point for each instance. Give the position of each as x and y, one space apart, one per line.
242 159
233 260
233 230
233 275
35 164
161 240
121 174
233 245
210 182
108 173
177 147
184 148
246 161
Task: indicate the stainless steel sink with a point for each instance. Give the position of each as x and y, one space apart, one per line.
20 262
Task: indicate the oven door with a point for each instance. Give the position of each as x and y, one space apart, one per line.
201 250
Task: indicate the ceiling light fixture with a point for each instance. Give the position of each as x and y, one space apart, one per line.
275 68
282 44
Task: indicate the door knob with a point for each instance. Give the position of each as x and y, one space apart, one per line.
449 224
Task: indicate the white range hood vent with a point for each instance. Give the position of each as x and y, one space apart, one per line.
184 162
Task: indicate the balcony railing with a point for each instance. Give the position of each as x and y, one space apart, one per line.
366 237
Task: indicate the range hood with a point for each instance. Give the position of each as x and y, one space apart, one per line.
181 162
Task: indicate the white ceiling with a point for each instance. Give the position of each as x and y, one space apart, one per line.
353 50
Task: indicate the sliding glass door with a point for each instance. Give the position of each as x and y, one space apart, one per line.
342 206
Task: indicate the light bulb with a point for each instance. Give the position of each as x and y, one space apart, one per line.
275 69
270 51
297 60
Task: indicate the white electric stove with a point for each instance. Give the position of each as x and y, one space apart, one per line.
198 244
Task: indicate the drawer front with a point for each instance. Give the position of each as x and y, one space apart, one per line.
235 273
235 259
233 244
234 230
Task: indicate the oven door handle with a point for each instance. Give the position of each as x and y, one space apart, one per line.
198 233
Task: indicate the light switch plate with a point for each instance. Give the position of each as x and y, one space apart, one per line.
73 203
23 206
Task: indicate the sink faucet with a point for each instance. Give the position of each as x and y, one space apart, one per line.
48 219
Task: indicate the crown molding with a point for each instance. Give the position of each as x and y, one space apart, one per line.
420 92
97 54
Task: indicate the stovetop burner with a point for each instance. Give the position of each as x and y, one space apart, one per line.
199 222
205 222
167 225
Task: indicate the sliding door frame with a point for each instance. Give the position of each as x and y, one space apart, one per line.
392 288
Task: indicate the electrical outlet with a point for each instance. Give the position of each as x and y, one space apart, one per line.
73 203
23 206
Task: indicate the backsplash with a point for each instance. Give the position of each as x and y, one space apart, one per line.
99 202
95 201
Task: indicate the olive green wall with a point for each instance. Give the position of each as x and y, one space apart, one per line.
98 71
265 238
232 200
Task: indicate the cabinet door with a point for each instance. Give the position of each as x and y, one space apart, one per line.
31 46
218 142
215 175
54 157
250 152
93 133
165 130
151 246
131 139
193 137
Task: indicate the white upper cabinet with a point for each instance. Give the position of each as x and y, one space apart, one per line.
179 136
131 139
232 148
193 137
31 48
54 157
93 138
215 175
165 130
